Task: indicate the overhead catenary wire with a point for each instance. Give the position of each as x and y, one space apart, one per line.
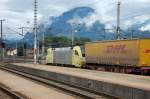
131 16
136 15
96 2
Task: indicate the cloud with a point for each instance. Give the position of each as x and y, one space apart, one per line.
106 12
88 21
18 12
145 28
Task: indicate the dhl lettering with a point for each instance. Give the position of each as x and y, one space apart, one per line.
147 51
116 48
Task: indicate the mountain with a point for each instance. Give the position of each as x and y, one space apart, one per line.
138 30
28 38
60 26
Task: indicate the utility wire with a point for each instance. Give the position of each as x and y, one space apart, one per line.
141 10
135 15
130 17
15 32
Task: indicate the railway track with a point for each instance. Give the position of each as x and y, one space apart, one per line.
85 94
10 93
90 67
18 60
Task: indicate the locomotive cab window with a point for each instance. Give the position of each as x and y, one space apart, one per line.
76 53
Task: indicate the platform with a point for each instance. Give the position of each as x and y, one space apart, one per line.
29 89
123 86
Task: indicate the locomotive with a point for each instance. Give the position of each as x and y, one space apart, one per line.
71 56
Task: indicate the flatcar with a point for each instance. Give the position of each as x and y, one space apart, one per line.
66 56
119 55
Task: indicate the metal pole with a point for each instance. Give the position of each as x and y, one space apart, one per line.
132 31
35 31
1 31
15 56
1 38
118 20
2 54
22 33
43 46
72 37
38 47
72 34
25 48
16 48
104 34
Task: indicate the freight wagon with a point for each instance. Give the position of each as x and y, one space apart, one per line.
120 55
71 56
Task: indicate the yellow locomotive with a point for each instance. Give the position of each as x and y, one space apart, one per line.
71 56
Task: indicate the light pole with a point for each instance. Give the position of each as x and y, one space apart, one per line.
73 31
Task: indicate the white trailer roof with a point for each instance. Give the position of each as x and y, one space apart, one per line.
63 49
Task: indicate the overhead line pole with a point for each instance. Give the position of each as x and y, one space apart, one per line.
35 31
43 43
1 30
72 37
2 54
118 20
22 30
22 34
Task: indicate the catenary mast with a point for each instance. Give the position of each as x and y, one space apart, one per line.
35 31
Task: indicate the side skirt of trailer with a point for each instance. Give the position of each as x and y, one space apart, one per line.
146 70
118 69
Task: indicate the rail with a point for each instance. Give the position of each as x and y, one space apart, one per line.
11 93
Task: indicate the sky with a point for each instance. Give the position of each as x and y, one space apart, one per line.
18 13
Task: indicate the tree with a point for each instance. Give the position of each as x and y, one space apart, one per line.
82 40
57 41
63 41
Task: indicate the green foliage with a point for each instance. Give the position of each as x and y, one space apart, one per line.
81 40
59 41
